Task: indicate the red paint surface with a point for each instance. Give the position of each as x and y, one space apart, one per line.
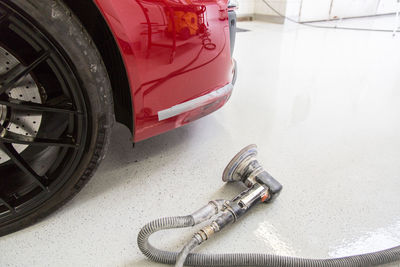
173 51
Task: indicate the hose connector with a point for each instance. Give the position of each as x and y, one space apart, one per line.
212 208
205 233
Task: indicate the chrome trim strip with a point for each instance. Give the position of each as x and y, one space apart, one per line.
194 103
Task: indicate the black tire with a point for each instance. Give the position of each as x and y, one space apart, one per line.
52 19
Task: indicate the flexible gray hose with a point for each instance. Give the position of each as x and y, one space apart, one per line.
153 253
249 259
192 244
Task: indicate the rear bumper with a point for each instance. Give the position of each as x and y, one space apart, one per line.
196 103
188 111
211 98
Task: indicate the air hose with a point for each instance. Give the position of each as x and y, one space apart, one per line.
261 188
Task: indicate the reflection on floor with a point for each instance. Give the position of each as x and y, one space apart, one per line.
323 107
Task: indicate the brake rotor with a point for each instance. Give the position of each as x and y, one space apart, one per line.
24 122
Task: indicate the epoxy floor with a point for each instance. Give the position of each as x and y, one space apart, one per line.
323 107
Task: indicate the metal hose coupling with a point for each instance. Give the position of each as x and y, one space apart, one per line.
205 233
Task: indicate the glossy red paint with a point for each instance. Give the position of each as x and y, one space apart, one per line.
174 51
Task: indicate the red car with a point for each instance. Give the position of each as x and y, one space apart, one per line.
69 69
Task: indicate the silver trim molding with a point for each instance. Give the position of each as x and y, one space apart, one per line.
194 103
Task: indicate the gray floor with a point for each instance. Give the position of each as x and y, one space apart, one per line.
323 108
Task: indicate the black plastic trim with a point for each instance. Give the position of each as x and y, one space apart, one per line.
232 29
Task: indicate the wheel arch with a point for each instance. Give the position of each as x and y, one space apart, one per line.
95 24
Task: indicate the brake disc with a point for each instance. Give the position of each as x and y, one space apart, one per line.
24 122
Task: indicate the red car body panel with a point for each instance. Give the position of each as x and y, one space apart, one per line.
174 51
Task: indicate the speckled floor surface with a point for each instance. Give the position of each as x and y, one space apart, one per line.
323 108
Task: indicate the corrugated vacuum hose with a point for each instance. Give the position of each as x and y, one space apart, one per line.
262 187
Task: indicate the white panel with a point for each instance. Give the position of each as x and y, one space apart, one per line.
353 8
312 10
246 7
388 6
293 9
261 8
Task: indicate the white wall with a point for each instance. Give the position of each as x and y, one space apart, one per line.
311 10
247 7
353 8
315 10
293 9
262 9
387 6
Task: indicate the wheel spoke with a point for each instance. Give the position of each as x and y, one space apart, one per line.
2 201
10 78
21 163
10 137
3 18
64 107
